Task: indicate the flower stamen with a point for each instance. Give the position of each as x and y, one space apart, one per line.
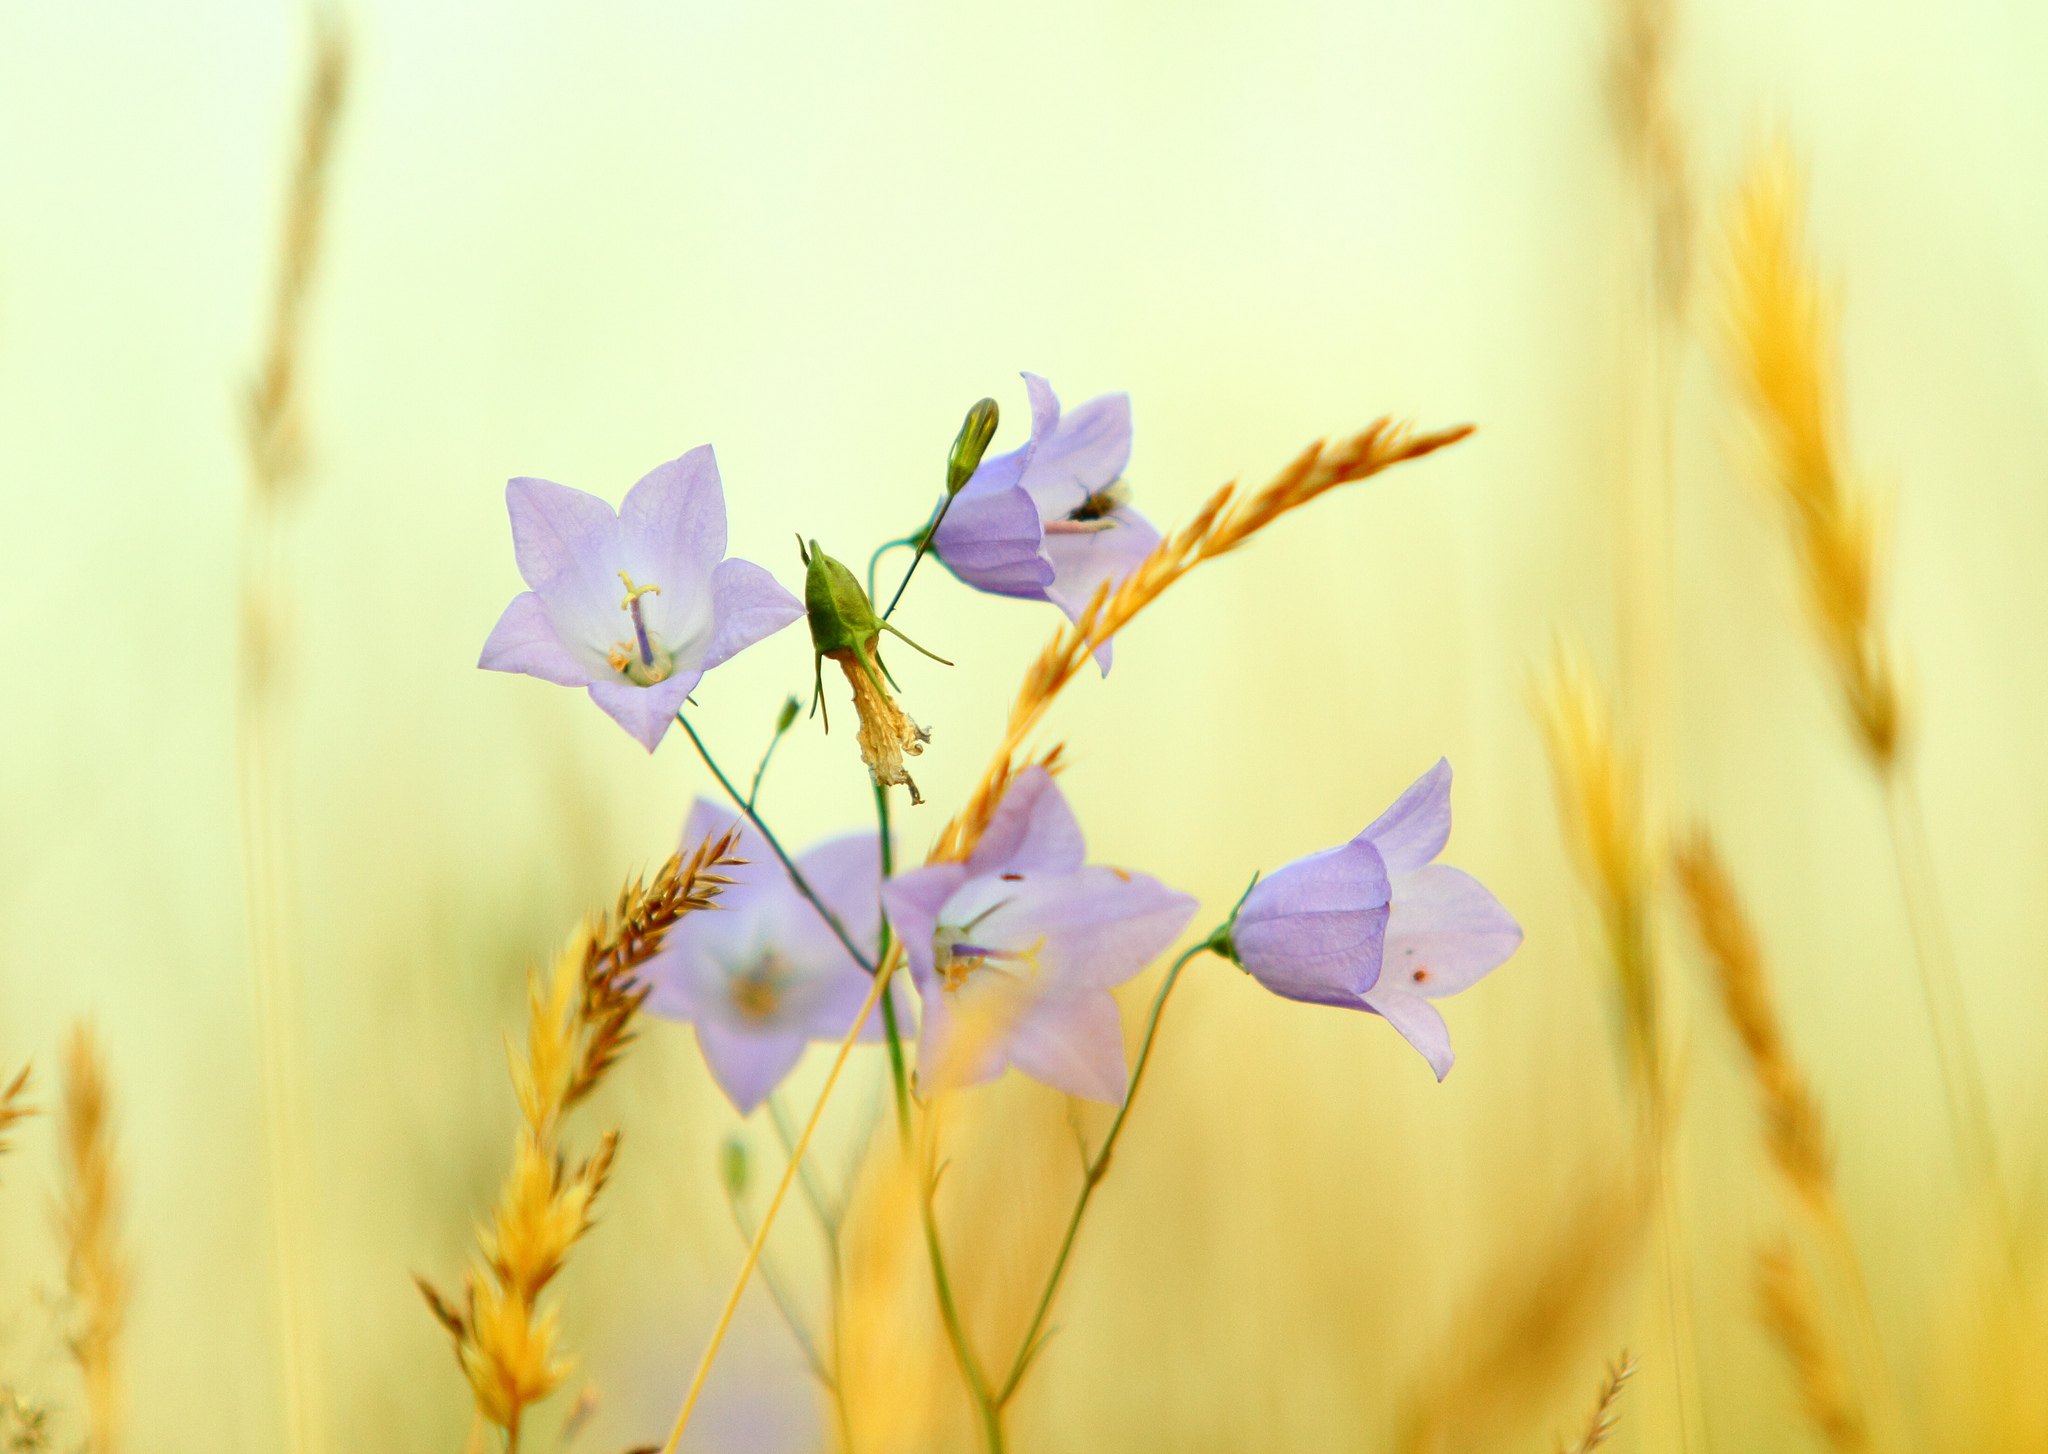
631 606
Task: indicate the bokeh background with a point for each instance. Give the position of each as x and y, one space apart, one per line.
575 241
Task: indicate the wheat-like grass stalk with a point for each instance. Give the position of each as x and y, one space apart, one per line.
580 1018
1225 522
1652 141
1604 809
14 1107
1528 1323
96 1267
1791 1314
1222 524
1780 340
1606 1415
273 436
1795 1134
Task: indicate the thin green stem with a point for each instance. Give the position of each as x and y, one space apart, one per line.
1094 1170
796 877
785 1303
986 1408
881 550
781 731
1948 1017
823 1206
923 540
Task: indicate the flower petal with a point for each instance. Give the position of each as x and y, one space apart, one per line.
1446 932
747 605
645 712
566 544
991 536
1419 1023
1092 928
1085 453
525 640
913 902
1073 1043
845 872
1082 560
673 519
1315 930
1032 830
747 1066
1416 828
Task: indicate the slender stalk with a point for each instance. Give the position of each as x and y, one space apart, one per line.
1096 1169
881 550
796 877
822 1205
1954 1047
785 1304
774 1209
782 726
986 1410
923 542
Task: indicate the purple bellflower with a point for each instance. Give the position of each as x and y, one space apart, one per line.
637 605
1377 924
1014 952
763 975
1051 520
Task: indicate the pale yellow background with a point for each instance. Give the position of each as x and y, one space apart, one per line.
576 240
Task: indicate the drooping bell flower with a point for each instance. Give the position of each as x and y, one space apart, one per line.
845 628
633 605
1051 520
1015 951
764 975
1377 924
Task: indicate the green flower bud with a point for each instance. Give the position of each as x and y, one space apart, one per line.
976 430
786 718
841 615
732 1167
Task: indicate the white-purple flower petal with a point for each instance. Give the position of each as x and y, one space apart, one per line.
1376 925
1048 521
636 605
763 974
1014 952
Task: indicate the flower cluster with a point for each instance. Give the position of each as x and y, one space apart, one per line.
1014 951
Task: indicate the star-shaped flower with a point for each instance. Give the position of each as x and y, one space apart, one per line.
1377 924
763 975
1014 952
1051 520
635 605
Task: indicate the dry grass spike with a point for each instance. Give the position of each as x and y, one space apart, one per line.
581 1017
96 1270
14 1107
1791 1314
1606 1409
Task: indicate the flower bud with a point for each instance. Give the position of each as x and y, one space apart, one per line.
732 1167
786 718
976 430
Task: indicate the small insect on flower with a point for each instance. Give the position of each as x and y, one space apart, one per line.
635 606
766 975
1376 924
844 626
1015 951
1052 519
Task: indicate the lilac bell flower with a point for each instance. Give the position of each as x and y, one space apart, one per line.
762 975
1051 520
1014 952
636 605
1376 924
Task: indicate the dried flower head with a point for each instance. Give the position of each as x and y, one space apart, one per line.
845 628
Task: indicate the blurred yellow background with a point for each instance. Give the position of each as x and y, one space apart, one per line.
576 241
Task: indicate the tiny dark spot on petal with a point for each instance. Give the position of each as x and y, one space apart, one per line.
1421 974
1013 878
